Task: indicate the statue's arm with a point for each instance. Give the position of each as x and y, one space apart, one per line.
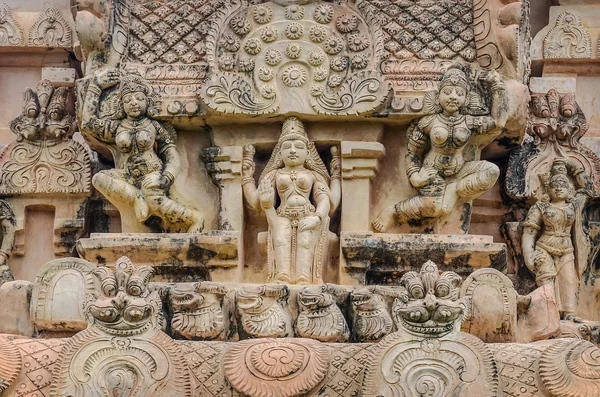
100 128
418 143
8 239
168 151
531 228
249 189
336 180
322 197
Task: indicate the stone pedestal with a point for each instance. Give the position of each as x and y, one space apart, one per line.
176 257
381 258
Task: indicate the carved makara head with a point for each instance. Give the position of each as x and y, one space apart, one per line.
124 304
429 306
371 297
557 118
311 298
256 299
188 298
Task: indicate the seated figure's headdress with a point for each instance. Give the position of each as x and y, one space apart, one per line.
133 83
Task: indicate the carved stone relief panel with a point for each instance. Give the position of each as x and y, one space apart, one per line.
325 55
11 33
59 294
51 29
568 38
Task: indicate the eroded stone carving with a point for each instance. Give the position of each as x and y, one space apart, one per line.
262 313
123 351
296 177
11 33
50 30
326 52
59 294
441 162
198 310
276 367
146 157
568 38
555 128
7 227
372 320
555 245
319 316
429 353
43 159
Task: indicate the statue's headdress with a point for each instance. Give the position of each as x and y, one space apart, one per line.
455 76
133 83
294 129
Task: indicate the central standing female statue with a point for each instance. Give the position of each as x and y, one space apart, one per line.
297 194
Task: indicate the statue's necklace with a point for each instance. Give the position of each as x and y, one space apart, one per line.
293 175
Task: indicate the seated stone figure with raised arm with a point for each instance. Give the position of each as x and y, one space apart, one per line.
297 195
150 161
441 159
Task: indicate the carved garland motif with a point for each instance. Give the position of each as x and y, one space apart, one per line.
276 367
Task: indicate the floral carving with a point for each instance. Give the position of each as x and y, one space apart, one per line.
198 310
346 23
252 46
246 64
272 57
11 32
317 34
266 73
229 92
316 57
320 74
568 38
50 30
320 317
359 61
240 25
334 45
358 42
294 12
44 159
262 13
294 76
293 50
323 13
283 368
294 31
269 34
227 63
339 64
261 311
230 43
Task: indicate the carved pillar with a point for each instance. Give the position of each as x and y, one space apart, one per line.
225 166
359 165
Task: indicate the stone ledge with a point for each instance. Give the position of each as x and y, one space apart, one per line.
398 253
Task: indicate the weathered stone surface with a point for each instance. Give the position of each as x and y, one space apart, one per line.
16 297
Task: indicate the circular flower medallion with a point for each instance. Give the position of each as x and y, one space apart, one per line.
317 34
293 50
262 13
246 64
226 63
339 64
268 92
230 43
294 12
252 46
346 23
269 34
240 25
294 31
334 45
266 73
334 81
272 57
316 57
358 42
316 91
320 74
359 61
323 13
294 76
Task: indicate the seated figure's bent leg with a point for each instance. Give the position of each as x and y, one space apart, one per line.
113 186
417 207
480 176
174 212
307 245
568 286
281 232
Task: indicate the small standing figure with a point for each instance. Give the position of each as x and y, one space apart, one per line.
150 161
298 215
441 162
7 225
555 246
